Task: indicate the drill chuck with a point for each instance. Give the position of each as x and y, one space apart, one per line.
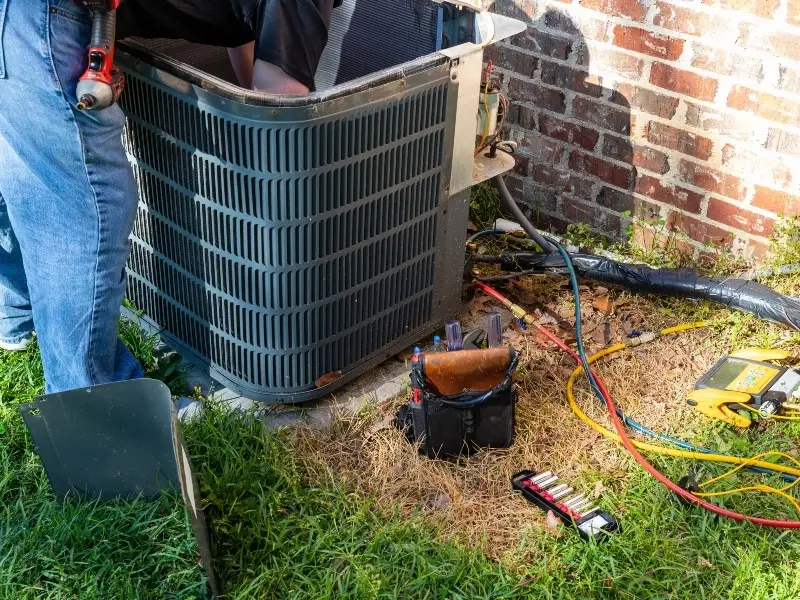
96 88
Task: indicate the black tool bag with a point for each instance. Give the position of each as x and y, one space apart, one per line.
461 401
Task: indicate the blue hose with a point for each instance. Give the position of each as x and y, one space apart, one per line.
595 388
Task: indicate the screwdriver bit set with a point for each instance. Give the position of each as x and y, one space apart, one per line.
574 510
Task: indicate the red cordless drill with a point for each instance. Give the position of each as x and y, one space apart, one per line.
101 84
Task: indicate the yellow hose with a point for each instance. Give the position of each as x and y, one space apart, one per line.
721 458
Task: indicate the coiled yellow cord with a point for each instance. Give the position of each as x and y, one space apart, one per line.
720 458
758 487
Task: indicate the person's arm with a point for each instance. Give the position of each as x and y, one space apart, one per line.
242 60
272 79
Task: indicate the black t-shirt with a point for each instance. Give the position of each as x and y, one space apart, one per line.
288 33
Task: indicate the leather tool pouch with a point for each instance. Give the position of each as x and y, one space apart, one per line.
461 401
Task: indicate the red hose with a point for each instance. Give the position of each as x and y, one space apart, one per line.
687 495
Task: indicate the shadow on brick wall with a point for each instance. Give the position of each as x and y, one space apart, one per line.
576 161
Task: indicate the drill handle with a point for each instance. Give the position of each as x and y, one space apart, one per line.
104 29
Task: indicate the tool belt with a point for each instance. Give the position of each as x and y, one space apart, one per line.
461 401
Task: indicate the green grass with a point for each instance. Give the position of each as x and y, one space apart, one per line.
279 534
284 530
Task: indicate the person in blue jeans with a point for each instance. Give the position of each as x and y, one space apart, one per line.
67 201
67 194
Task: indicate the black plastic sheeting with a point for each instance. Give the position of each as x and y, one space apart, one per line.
748 296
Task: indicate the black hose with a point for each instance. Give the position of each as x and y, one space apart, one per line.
748 296
508 203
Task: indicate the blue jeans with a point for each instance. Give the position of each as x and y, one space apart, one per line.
67 200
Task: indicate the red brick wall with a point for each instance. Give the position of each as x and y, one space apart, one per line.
683 111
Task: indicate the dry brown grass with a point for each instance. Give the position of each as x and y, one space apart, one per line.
471 499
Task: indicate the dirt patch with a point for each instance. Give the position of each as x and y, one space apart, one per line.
471 498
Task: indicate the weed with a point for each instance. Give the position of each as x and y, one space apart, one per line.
484 205
785 243
581 235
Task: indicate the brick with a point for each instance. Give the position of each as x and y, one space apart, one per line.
763 104
684 142
776 42
647 42
564 181
551 176
615 199
700 231
522 166
736 216
794 13
712 180
549 222
576 25
683 82
565 77
630 9
515 187
739 126
650 159
783 141
541 149
777 202
624 150
757 250
761 8
543 199
667 193
618 148
693 22
505 57
605 59
760 166
602 115
624 201
568 132
580 212
525 91
645 100
545 43
725 62
789 80
602 169
519 9
652 236
523 116
580 187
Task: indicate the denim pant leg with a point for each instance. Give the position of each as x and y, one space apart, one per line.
16 319
69 191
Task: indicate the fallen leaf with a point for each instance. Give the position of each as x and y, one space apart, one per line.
547 319
553 524
601 336
441 501
604 305
598 489
327 379
706 563
600 290
387 422
478 304
586 312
